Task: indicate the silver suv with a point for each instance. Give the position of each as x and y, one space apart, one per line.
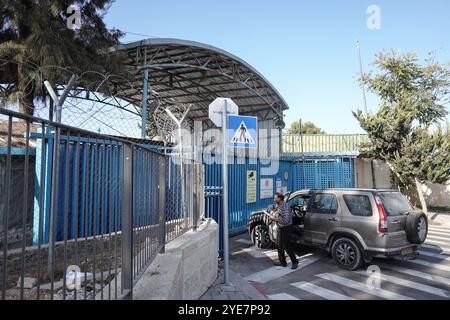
354 225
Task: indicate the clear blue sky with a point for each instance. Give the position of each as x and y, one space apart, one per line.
306 49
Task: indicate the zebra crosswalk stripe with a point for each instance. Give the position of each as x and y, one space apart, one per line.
431 264
321 292
444 257
273 273
418 274
282 296
436 242
412 285
436 247
439 233
433 237
257 253
244 241
385 294
438 229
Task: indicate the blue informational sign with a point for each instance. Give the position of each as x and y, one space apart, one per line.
242 131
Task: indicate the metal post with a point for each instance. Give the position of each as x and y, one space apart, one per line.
53 192
162 204
303 155
127 222
55 163
195 196
182 177
50 112
144 105
225 194
179 123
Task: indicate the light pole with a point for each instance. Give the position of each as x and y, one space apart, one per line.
358 45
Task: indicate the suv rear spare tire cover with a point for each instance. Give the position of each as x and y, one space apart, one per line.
416 227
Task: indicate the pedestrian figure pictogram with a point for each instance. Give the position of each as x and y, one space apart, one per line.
242 131
242 135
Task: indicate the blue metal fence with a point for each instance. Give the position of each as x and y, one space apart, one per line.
213 209
99 164
238 208
332 172
325 173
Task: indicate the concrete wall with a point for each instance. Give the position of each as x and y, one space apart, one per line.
186 270
363 174
436 195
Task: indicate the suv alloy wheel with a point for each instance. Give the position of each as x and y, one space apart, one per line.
347 254
260 236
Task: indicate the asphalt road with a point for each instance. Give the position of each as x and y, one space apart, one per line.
425 278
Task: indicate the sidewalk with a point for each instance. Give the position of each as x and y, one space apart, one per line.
239 289
440 219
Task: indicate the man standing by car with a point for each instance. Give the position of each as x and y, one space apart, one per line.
283 217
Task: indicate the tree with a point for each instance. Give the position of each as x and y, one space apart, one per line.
307 128
35 37
407 131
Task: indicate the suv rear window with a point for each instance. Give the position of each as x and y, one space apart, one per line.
359 205
395 203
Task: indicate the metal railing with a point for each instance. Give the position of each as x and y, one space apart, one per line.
82 214
313 143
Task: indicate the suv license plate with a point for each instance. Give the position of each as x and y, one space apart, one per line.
406 251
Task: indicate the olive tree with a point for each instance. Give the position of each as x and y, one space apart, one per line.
408 130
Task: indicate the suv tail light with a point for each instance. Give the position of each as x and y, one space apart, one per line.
382 222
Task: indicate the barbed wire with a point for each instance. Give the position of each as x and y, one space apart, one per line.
107 112
165 125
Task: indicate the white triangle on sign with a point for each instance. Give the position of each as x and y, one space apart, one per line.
241 135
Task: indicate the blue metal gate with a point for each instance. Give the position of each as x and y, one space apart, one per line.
330 172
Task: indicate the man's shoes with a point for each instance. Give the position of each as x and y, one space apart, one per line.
294 265
279 264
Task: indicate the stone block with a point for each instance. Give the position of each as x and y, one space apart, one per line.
28 283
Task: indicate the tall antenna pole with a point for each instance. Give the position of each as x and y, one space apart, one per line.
361 73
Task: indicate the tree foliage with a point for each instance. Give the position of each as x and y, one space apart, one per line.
407 130
35 38
307 128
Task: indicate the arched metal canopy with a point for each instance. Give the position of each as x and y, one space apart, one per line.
188 72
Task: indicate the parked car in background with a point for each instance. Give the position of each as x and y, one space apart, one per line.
354 225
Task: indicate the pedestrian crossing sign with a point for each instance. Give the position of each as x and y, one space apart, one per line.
242 131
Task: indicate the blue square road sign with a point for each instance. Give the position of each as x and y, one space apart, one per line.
242 132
